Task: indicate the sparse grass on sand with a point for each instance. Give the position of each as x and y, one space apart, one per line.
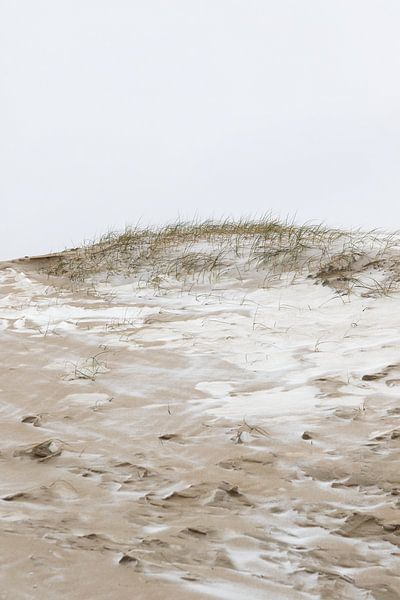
195 252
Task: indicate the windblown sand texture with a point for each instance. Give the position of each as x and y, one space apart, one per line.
199 431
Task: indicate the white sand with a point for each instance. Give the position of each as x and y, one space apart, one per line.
180 419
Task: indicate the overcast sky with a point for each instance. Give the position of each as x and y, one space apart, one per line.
114 111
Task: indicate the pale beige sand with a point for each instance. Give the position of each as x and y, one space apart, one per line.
208 451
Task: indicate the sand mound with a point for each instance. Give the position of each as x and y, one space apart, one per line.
209 416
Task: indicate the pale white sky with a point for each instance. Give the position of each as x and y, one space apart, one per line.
113 111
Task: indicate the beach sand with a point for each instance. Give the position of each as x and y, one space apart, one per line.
230 442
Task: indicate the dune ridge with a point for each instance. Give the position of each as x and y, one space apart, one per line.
207 410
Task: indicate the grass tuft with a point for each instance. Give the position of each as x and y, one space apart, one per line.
201 252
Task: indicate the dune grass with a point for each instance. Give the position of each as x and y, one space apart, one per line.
196 252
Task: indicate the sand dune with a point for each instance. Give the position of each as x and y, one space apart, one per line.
224 440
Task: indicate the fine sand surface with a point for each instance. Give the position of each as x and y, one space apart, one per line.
230 441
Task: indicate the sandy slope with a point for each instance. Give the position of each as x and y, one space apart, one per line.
228 443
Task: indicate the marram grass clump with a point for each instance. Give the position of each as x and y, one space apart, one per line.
198 252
